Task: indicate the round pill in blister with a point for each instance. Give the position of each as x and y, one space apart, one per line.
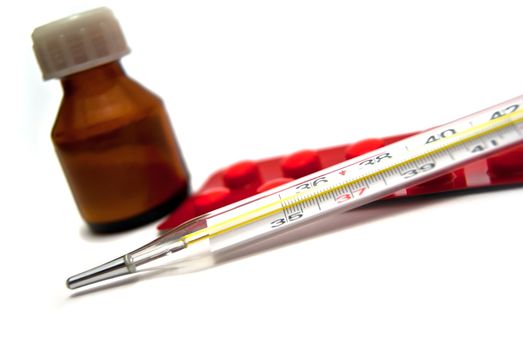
300 164
362 147
241 174
273 183
211 199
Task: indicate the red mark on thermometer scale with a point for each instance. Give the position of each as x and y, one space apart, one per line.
347 196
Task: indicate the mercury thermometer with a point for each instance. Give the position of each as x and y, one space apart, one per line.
199 242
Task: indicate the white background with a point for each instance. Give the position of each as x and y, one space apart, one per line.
256 79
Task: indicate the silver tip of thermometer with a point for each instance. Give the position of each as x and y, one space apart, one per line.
111 269
139 260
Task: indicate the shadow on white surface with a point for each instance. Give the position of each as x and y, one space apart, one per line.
349 220
333 224
90 236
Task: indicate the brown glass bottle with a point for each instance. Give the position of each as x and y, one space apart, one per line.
112 136
117 149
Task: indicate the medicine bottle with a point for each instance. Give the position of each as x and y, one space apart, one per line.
113 137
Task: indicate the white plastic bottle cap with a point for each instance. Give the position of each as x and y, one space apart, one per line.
78 42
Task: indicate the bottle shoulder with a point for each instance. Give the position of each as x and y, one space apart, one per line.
86 113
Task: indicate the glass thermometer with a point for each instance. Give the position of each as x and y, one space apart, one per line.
345 186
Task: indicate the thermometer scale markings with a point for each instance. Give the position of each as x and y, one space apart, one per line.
413 166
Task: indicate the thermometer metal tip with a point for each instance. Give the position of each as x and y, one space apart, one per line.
111 269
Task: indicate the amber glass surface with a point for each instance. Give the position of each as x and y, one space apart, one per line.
117 149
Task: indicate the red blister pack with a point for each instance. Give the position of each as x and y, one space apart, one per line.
247 178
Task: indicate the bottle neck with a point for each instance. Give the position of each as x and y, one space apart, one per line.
93 80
